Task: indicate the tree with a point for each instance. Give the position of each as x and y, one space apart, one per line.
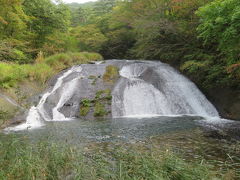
79 17
12 19
90 38
119 43
46 17
103 7
220 25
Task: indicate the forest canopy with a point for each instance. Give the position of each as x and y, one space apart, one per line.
200 37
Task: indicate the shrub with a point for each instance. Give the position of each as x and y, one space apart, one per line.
38 72
10 52
193 66
90 38
10 74
65 60
59 61
220 26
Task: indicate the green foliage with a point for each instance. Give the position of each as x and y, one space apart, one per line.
119 43
79 17
23 160
27 27
86 103
3 117
84 111
103 7
11 74
46 17
98 103
59 42
103 95
111 74
89 37
190 34
193 66
65 60
59 61
108 94
85 106
99 110
220 26
12 50
12 19
38 72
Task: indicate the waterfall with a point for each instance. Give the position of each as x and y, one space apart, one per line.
153 88
67 92
145 89
143 99
37 114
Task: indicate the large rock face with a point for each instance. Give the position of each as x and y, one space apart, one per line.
226 100
16 101
117 88
87 93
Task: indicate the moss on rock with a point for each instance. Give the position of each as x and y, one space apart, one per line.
111 74
99 110
98 104
85 106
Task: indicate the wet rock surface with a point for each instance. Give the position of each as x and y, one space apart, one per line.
88 86
226 100
116 88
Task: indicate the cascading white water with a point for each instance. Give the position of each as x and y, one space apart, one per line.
168 93
68 89
146 88
143 99
38 113
33 121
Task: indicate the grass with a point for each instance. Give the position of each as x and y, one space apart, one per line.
94 79
4 115
111 74
43 160
85 106
99 110
103 95
11 74
102 98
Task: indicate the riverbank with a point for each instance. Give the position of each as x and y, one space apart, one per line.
161 157
19 83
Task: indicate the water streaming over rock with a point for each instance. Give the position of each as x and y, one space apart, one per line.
154 88
144 88
38 114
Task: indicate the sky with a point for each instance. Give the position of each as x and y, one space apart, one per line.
78 1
